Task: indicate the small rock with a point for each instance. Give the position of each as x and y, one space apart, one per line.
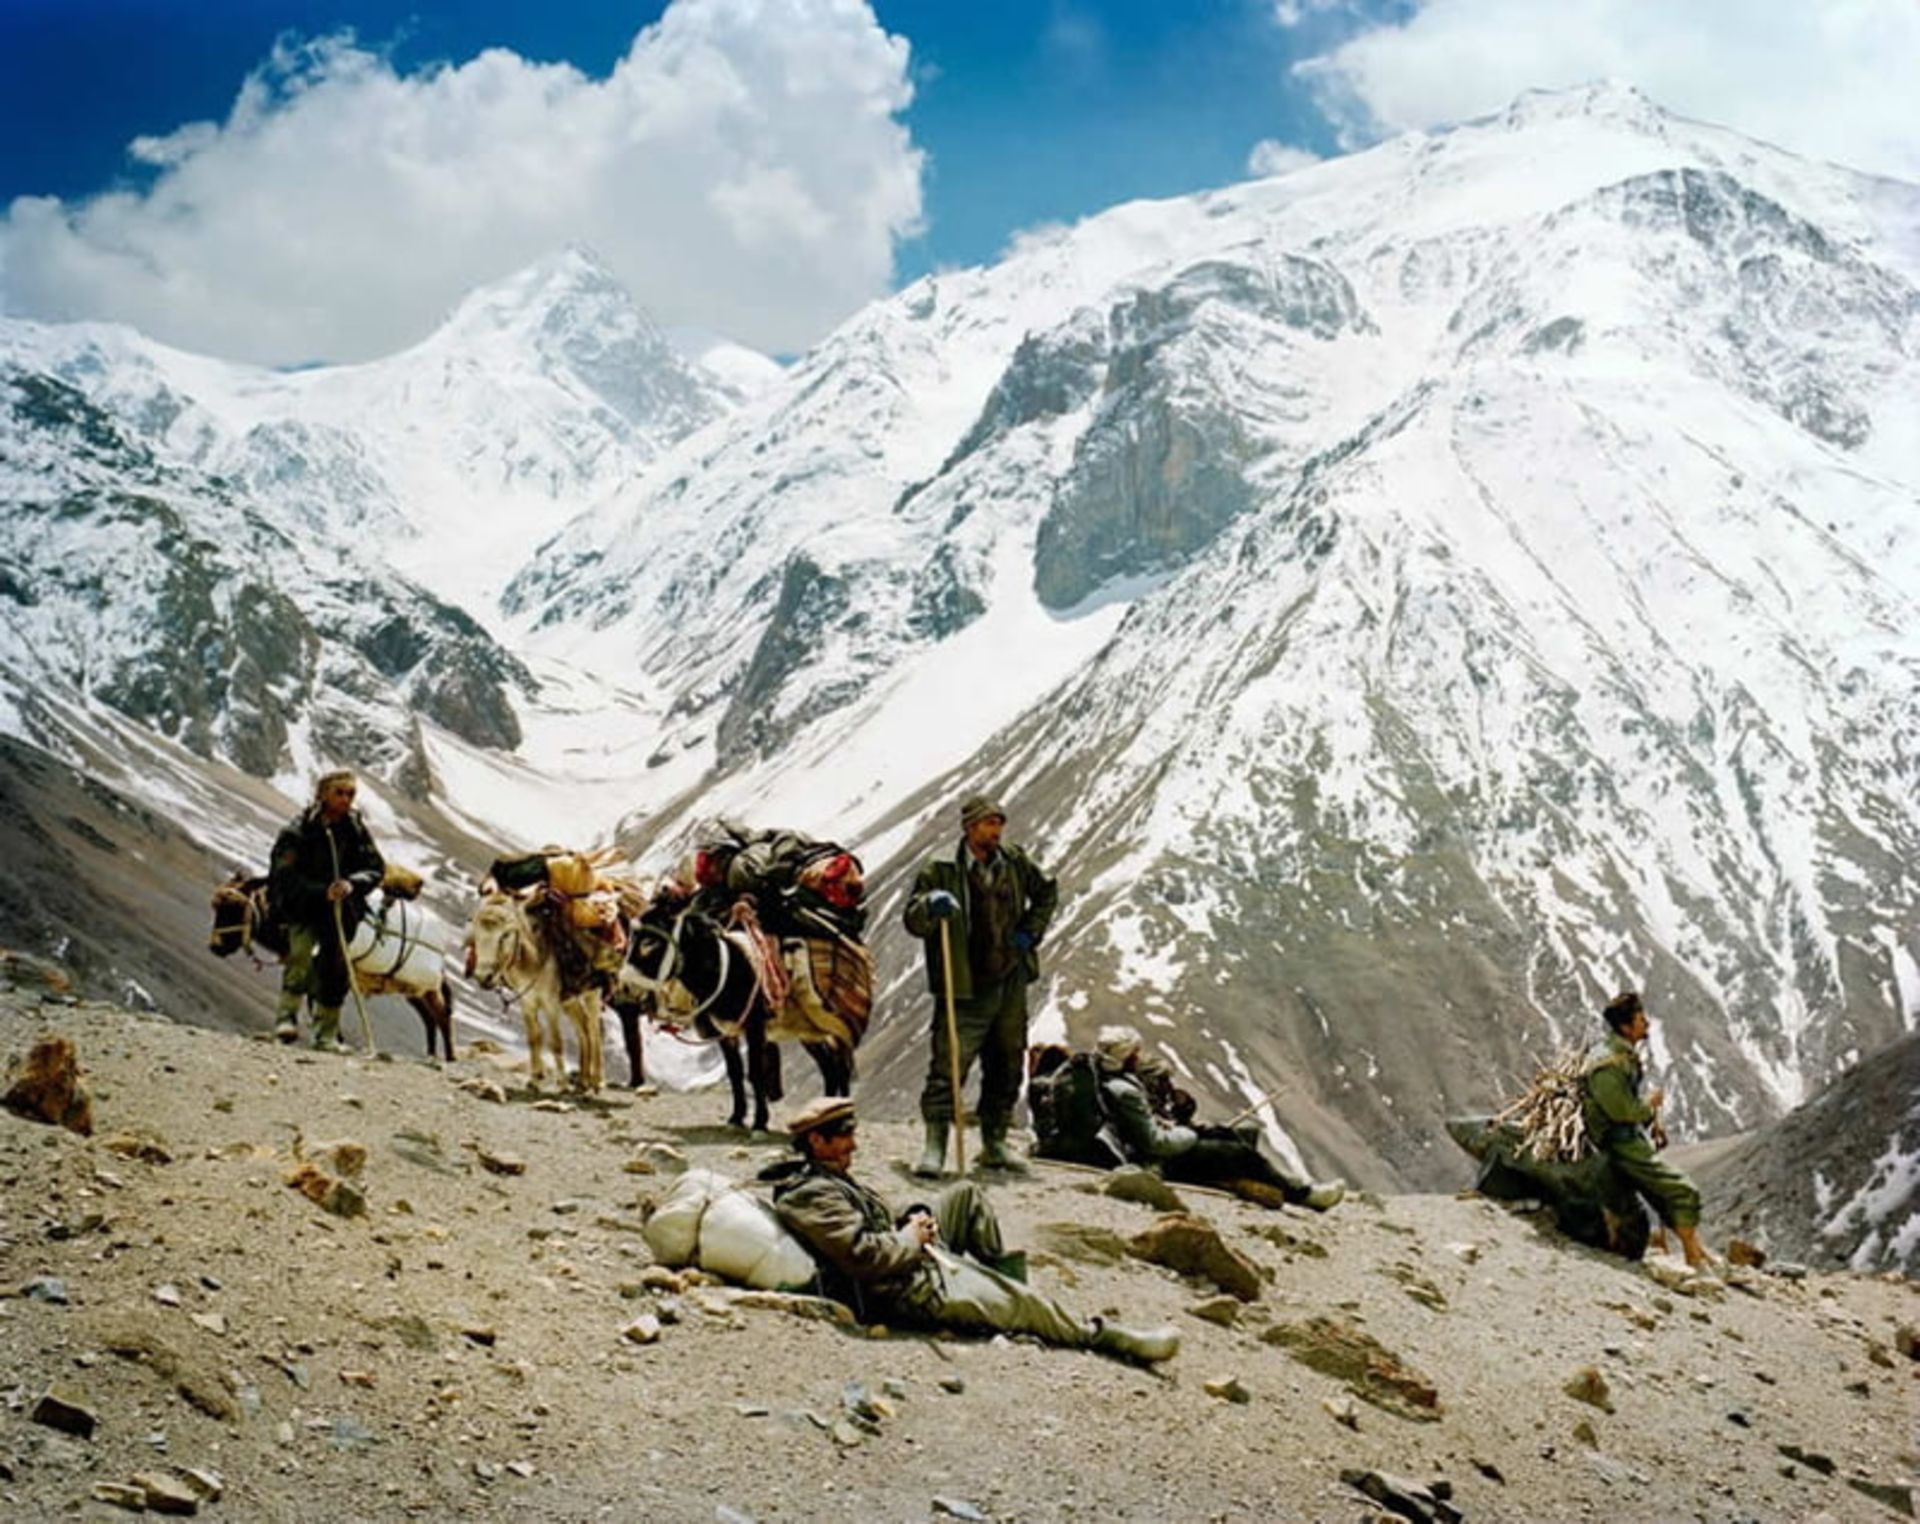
349 1434
120 1495
344 1156
1739 1418
500 1164
167 1494
1584 1433
1589 1386
486 1471
1812 1460
1895 1495
214 1322
1144 1188
1789 1270
57 1409
750 1409
644 1329
209 1484
1906 1340
362 1379
128 1145
1487 1469
1403 1496
520 1468
1466 1253
1223 1310
722 1514
954 1384
1190 1245
1342 1411
46 1087
1228 1389
485 1089
958 1508
167 1295
1740 1252
210 1282
1370 1370
46 1288
638 1166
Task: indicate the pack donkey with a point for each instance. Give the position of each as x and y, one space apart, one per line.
507 951
731 984
243 921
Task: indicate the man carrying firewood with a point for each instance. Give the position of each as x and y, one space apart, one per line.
1619 1122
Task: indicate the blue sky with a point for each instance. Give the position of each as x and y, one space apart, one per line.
762 167
1030 112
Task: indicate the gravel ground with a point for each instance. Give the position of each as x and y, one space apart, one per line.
459 1351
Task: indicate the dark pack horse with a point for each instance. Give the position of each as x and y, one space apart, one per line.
688 973
243 922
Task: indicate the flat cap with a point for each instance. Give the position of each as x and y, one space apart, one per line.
979 807
821 1113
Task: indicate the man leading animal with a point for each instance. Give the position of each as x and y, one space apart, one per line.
993 903
324 866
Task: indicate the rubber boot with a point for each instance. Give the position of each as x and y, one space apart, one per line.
1143 1346
326 1028
933 1157
1324 1195
994 1153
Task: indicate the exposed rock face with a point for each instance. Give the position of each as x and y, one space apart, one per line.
810 600
1164 465
1836 1182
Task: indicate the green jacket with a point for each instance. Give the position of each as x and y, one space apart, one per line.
1039 897
866 1262
1610 1096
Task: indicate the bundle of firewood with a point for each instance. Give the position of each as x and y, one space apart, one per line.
1549 1116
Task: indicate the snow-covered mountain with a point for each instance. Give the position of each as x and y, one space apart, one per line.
1406 599
277 568
1409 598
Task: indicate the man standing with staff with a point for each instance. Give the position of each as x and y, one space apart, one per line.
323 868
980 914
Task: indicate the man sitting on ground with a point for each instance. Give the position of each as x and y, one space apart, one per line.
1229 1157
938 1266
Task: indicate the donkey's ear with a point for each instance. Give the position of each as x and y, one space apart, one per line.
488 887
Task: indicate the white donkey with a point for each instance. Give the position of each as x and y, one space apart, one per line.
506 951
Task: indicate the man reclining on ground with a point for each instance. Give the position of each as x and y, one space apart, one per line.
938 1266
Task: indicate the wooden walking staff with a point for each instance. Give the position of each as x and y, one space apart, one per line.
953 1052
1240 1116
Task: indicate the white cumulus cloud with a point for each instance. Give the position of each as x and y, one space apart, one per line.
743 167
1272 157
1828 78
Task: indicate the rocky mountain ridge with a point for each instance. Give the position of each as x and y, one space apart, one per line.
1406 599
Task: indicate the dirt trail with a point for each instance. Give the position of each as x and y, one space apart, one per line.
459 1351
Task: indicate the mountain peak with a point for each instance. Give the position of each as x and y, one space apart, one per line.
1600 100
572 280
